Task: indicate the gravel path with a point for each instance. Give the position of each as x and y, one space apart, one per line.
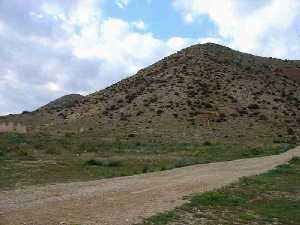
125 200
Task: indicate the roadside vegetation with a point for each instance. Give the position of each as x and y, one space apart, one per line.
43 159
271 198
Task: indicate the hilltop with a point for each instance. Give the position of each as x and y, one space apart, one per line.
202 93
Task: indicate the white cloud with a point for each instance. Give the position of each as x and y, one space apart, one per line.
139 25
49 9
117 45
73 48
36 15
188 18
179 42
122 3
1 27
210 40
51 86
251 25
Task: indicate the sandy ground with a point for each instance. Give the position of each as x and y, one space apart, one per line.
126 200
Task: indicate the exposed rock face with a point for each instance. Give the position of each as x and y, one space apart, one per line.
13 127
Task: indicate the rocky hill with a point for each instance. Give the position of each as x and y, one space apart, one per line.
203 93
62 103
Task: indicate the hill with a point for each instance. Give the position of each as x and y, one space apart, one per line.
203 93
62 103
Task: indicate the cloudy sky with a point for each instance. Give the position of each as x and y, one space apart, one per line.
49 48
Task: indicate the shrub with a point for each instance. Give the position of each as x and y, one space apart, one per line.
69 134
120 101
163 168
207 105
290 131
146 168
184 162
130 97
263 117
293 140
94 162
22 153
248 68
253 106
114 163
131 135
112 108
207 143
52 151
109 163
159 112
153 99
2 154
139 113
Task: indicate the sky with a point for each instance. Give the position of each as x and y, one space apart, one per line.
50 48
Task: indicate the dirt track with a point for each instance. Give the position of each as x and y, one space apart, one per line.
123 201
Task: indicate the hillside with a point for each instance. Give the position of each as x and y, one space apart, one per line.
203 93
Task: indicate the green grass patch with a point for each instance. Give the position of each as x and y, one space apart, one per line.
43 159
217 198
162 219
287 211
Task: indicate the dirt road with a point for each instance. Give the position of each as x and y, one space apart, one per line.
123 201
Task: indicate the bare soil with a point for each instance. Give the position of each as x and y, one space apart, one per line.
125 200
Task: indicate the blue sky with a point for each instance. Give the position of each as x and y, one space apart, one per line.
161 19
50 48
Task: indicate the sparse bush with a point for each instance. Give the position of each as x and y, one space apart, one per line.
290 131
153 99
52 151
131 135
207 143
139 113
130 97
2 154
233 100
253 106
108 163
120 101
207 105
112 108
163 168
293 140
146 168
248 68
263 117
94 162
184 162
222 115
113 163
159 112
23 153
69 134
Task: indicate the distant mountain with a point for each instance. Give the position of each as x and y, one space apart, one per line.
203 93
